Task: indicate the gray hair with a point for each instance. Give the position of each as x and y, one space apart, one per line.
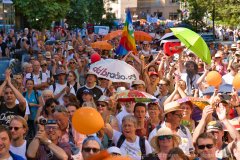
130 118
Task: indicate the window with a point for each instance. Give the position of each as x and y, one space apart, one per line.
173 16
174 1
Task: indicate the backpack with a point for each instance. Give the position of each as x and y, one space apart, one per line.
35 94
141 144
75 86
40 76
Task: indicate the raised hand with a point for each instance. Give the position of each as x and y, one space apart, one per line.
221 112
208 110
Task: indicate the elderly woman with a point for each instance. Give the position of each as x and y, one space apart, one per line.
128 142
162 143
46 94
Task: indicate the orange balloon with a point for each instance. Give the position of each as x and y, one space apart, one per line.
236 81
87 120
213 78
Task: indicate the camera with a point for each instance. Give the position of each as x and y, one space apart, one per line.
42 121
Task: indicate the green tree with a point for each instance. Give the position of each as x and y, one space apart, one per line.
197 9
223 11
89 11
41 13
78 13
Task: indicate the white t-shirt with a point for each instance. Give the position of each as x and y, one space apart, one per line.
21 150
37 78
58 89
186 140
72 90
131 149
120 116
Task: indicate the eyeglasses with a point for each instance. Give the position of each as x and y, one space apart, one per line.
209 146
161 84
101 105
48 128
94 150
165 137
179 115
15 128
71 62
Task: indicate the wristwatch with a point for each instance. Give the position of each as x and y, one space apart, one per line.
48 142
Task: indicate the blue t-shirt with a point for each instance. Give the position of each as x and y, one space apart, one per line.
32 99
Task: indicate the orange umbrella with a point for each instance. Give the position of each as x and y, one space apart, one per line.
112 35
103 45
142 36
139 35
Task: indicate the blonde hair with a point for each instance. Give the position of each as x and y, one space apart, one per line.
22 120
176 142
47 91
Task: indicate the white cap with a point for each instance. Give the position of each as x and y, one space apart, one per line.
113 150
119 89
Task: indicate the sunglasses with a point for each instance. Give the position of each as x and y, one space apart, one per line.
161 84
44 65
209 146
71 62
15 128
179 115
94 150
165 137
101 105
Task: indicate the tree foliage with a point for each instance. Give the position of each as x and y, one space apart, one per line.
197 9
223 11
89 11
41 13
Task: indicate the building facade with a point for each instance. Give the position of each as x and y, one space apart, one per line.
7 15
163 9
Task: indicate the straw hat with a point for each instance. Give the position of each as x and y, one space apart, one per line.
172 106
164 131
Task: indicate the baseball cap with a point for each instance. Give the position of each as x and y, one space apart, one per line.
114 150
103 98
214 126
234 46
218 55
87 91
138 82
153 73
60 71
145 42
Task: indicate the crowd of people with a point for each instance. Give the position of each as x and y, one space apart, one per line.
38 103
